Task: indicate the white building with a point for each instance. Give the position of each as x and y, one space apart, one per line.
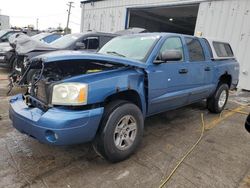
4 22
227 20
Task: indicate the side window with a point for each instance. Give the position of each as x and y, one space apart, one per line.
172 43
91 43
195 49
223 49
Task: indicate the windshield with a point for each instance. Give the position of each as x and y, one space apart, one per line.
65 41
2 33
132 46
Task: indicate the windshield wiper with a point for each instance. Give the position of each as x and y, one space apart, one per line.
115 53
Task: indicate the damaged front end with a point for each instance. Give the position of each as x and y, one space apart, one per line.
64 104
49 84
20 64
25 48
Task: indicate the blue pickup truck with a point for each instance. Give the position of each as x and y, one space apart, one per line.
104 97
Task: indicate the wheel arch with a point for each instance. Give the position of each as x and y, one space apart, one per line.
225 78
128 95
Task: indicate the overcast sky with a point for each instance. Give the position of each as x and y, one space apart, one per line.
51 13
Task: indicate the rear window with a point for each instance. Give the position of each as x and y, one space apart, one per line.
223 49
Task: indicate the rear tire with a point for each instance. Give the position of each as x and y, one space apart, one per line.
218 101
120 132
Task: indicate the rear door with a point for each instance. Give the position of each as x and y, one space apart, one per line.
209 65
197 66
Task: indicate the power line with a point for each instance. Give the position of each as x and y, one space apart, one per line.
75 23
74 16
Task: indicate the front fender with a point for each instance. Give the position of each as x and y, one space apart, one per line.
104 84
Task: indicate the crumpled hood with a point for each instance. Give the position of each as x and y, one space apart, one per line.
64 55
24 44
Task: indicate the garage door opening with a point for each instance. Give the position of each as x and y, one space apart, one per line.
177 19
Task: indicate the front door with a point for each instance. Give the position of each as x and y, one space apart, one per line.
168 82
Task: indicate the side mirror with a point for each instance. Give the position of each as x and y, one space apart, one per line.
80 45
170 55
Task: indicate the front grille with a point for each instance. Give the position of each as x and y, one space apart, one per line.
42 92
34 102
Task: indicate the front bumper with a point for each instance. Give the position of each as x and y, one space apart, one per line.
56 126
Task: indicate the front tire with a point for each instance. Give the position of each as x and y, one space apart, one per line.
218 101
121 131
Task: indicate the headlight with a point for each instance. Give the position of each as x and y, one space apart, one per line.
74 94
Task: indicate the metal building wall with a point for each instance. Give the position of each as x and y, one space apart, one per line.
229 20
111 15
4 22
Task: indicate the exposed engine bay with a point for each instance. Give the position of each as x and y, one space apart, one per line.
65 69
46 75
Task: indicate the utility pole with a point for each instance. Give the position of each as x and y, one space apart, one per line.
69 12
37 20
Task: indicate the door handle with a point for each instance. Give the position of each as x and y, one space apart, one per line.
207 69
183 71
